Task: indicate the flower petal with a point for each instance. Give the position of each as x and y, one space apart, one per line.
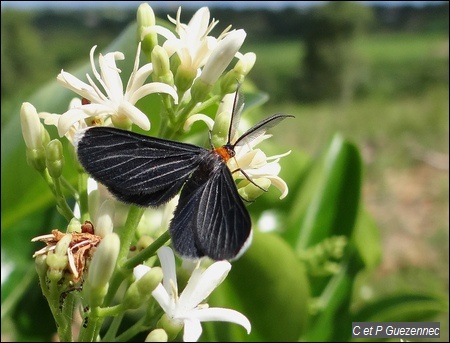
222 55
192 330
197 117
200 285
279 183
199 23
154 87
76 85
111 75
223 315
164 300
165 32
138 79
167 259
67 119
134 114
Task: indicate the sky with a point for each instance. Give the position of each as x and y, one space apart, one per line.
193 4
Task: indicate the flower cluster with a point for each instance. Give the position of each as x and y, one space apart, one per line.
192 71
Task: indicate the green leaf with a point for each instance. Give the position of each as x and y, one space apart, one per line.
402 308
327 205
329 198
335 298
367 240
269 285
333 306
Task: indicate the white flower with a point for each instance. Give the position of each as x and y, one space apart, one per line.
222 55
193 45
53 119
253 162
113 102
187 308
256 164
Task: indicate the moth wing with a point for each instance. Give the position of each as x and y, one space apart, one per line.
211 218
137 169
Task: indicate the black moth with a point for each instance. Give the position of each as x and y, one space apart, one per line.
211 218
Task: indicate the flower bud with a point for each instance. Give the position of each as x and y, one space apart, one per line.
63 245
200 90
219 133
171 327
230 82
31 126
143 242
249 191
157 335
56 266
236 76
145 19
132 298
74 225
45 136
105 218
101 269
184 77
245 63
41 265
32 135
36 158
57 260
141 290
161 66
147 283
54 158
221 56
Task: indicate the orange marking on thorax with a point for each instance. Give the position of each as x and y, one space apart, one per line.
224 152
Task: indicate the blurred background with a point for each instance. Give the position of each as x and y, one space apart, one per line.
377 72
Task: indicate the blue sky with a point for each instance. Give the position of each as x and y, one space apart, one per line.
192 4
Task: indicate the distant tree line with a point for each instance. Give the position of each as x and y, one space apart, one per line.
40 43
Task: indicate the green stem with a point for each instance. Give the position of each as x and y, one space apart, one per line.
61 202
83 196
167 101
147 252
132 331
208 103
126 235
66 184
114 284
89 332
55 186
64 327
67 309
48 179
113 328
110 311
179 120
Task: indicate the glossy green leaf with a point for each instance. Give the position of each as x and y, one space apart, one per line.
327 203
367 240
